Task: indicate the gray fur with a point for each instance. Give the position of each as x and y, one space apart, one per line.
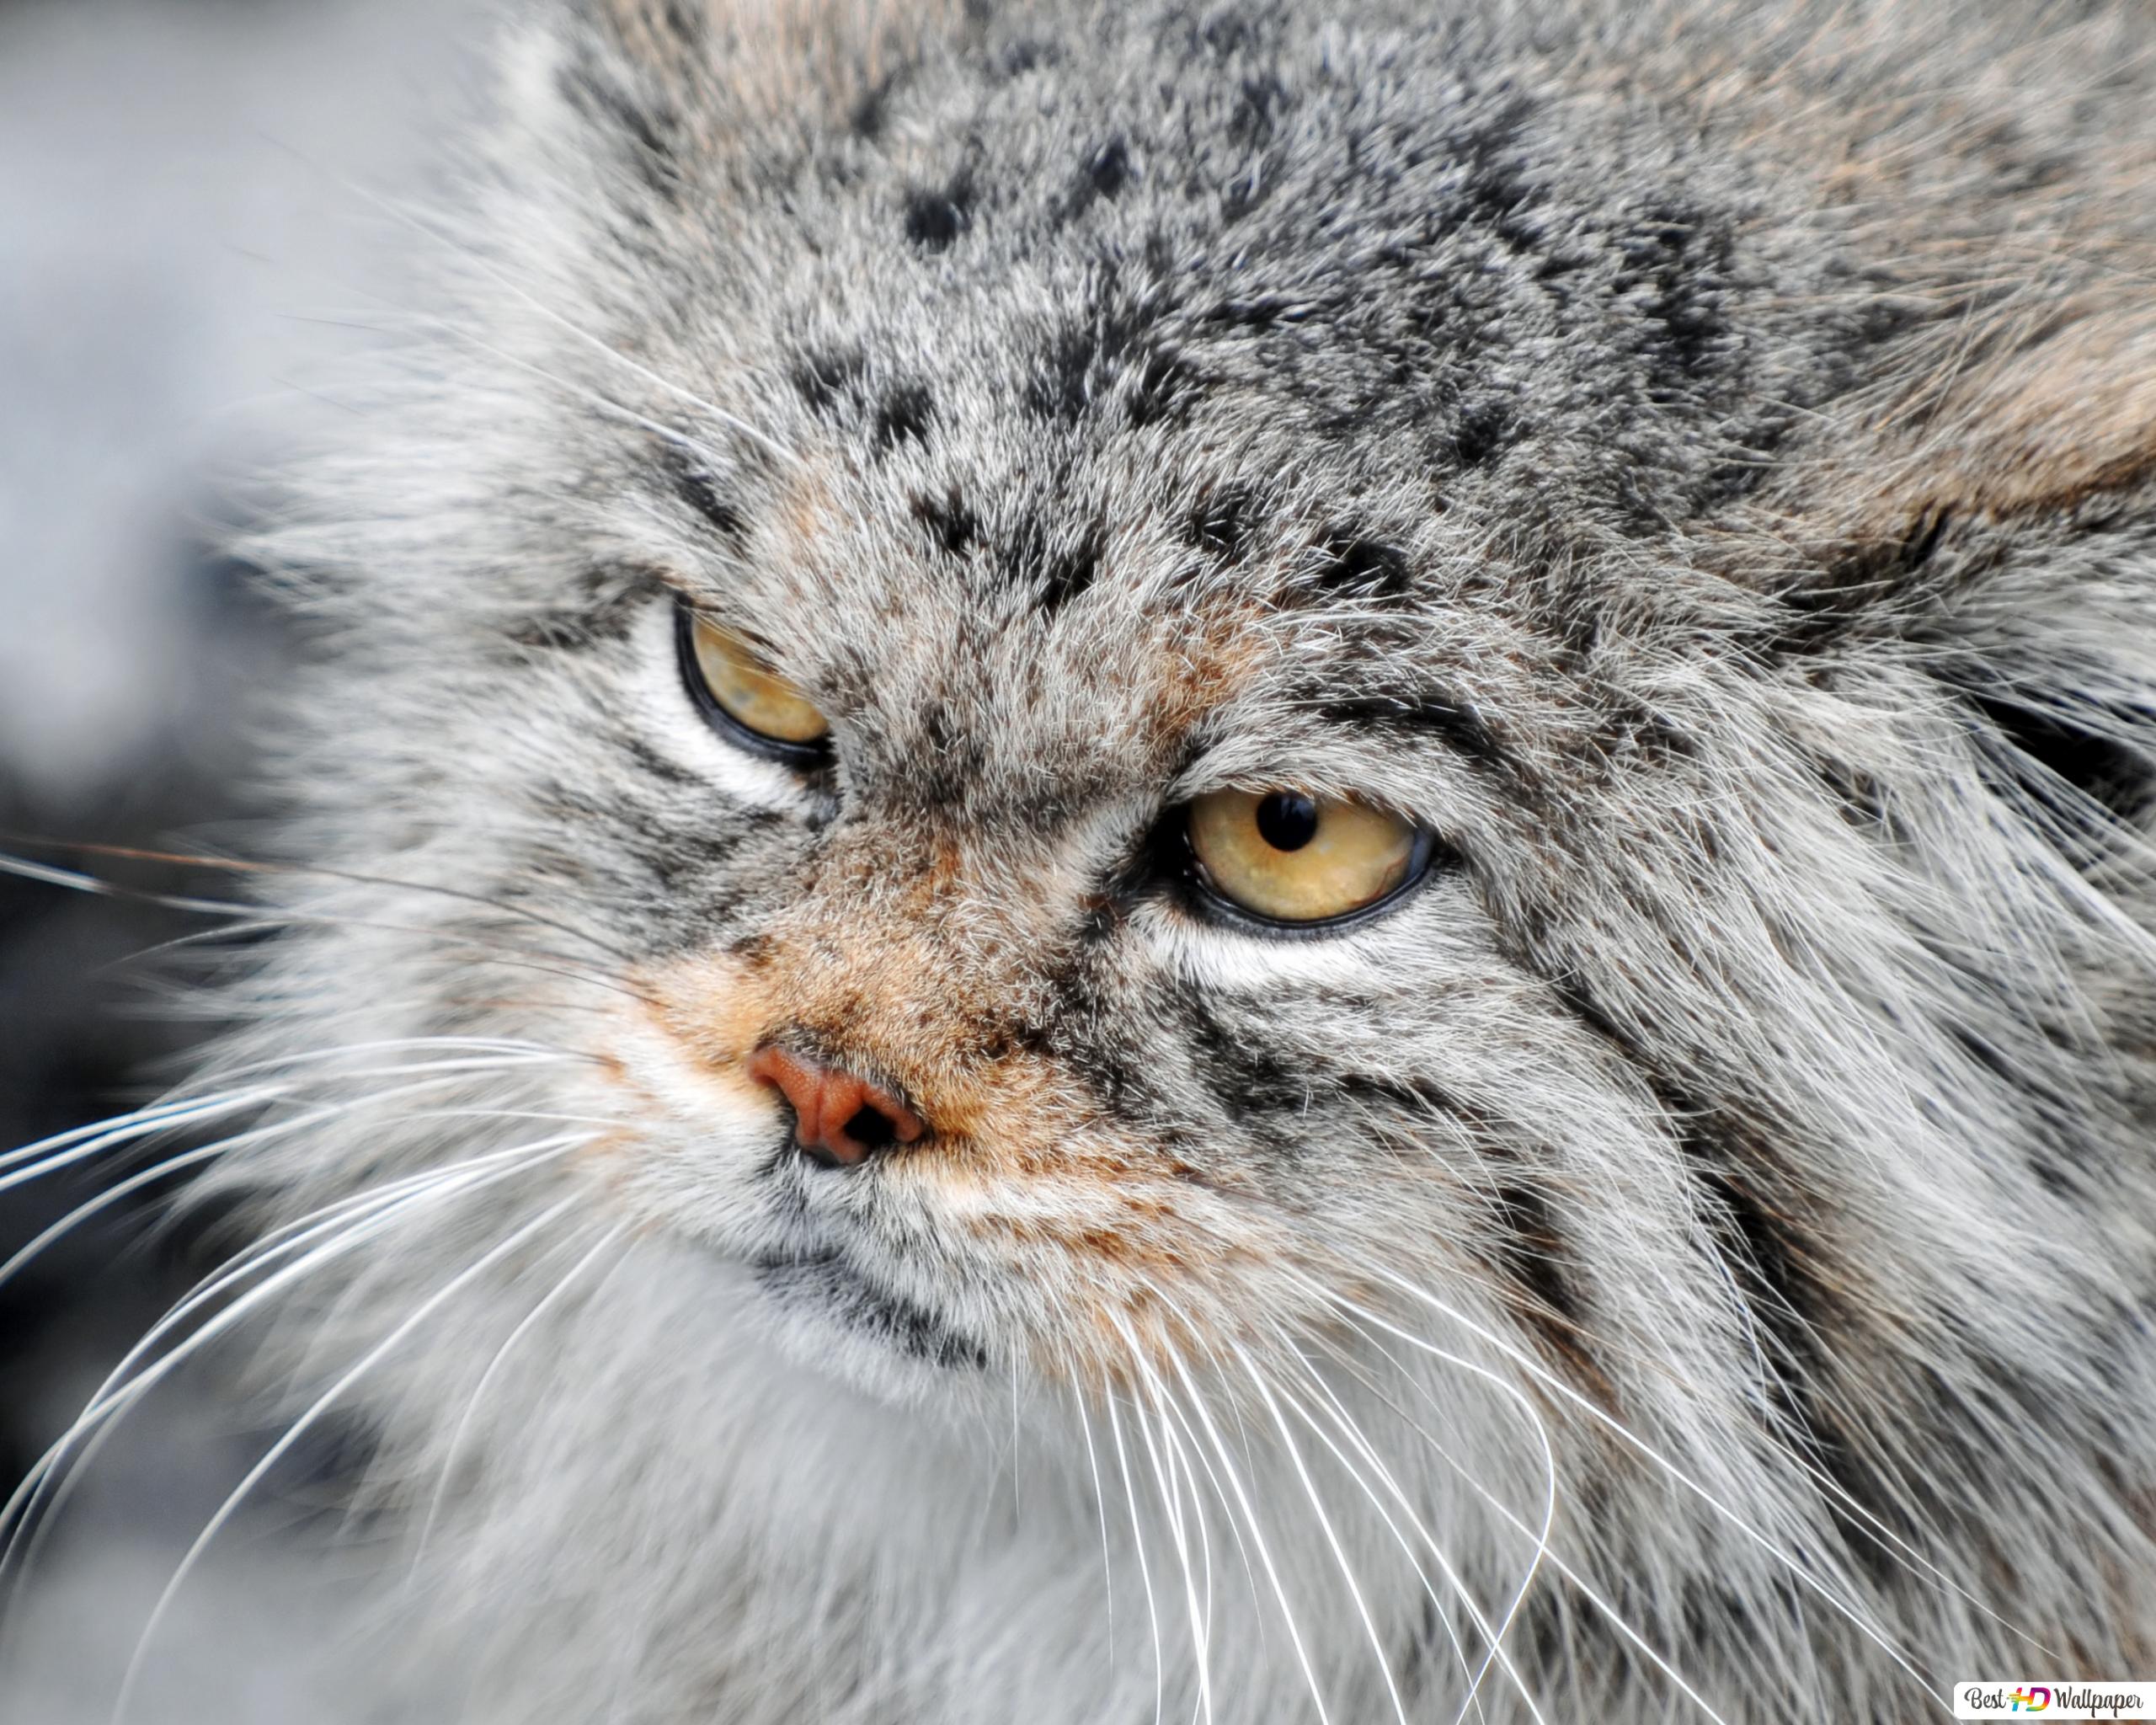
1699 458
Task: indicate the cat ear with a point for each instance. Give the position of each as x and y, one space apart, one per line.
2001 522
2035 416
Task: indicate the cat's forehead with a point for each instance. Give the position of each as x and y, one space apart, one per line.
1003 600
1064 365
979 613
1322 255
1188 371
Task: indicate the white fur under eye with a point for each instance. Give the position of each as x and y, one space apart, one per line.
1229 959
667 717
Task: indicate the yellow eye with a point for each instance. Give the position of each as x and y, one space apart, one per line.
728 675
1292 858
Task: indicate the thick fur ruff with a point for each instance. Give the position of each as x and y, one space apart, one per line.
1691 1257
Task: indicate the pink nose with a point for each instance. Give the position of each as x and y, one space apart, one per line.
839 1121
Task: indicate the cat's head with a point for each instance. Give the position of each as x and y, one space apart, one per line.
1181 688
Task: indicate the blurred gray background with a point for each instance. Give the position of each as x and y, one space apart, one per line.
188 261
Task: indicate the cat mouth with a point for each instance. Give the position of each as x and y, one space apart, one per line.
825 1283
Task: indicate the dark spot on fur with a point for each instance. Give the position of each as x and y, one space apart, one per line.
1361 568
1248 1085
1529 1253
682 862
1759 1242
1221 525
1522 1245
1922 544
1769 1245
1494 193
1079 364
616 596
1858 797
1071 575
1228 32
1160 389
1109 170
831 1286
1022 56
1061 574
698 487
1482 431
1631 732
1262 311
866 119
1115 348
1774 1267
947 762
826 380
1674 270
935 217
1533 1252
949 522
1768 1232
685 21
1060 386
903 416
872 111
1081 361
1250 187
1256 105
1104 175
1820 609
653 765
568 630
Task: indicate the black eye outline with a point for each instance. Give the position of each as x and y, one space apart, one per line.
1176 859
804 757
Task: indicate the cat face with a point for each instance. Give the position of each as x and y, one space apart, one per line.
1276 699
1076 478
1153 1116
981 895
1078 482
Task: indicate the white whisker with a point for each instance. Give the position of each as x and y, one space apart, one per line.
1100 1504
234 865
257 1135
71 1146
246 917
305 1423
1545 1552
1325 1524
1144 1568
1164 1476
1493 1636
1615 1618
119 1392
532 1319
1257 1538
1550 1380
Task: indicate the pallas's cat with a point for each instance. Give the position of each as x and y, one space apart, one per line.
1260 862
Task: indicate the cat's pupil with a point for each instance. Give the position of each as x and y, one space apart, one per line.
1287 821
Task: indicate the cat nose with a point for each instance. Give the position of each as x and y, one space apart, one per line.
840 1119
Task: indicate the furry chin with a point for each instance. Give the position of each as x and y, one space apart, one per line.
826 1315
